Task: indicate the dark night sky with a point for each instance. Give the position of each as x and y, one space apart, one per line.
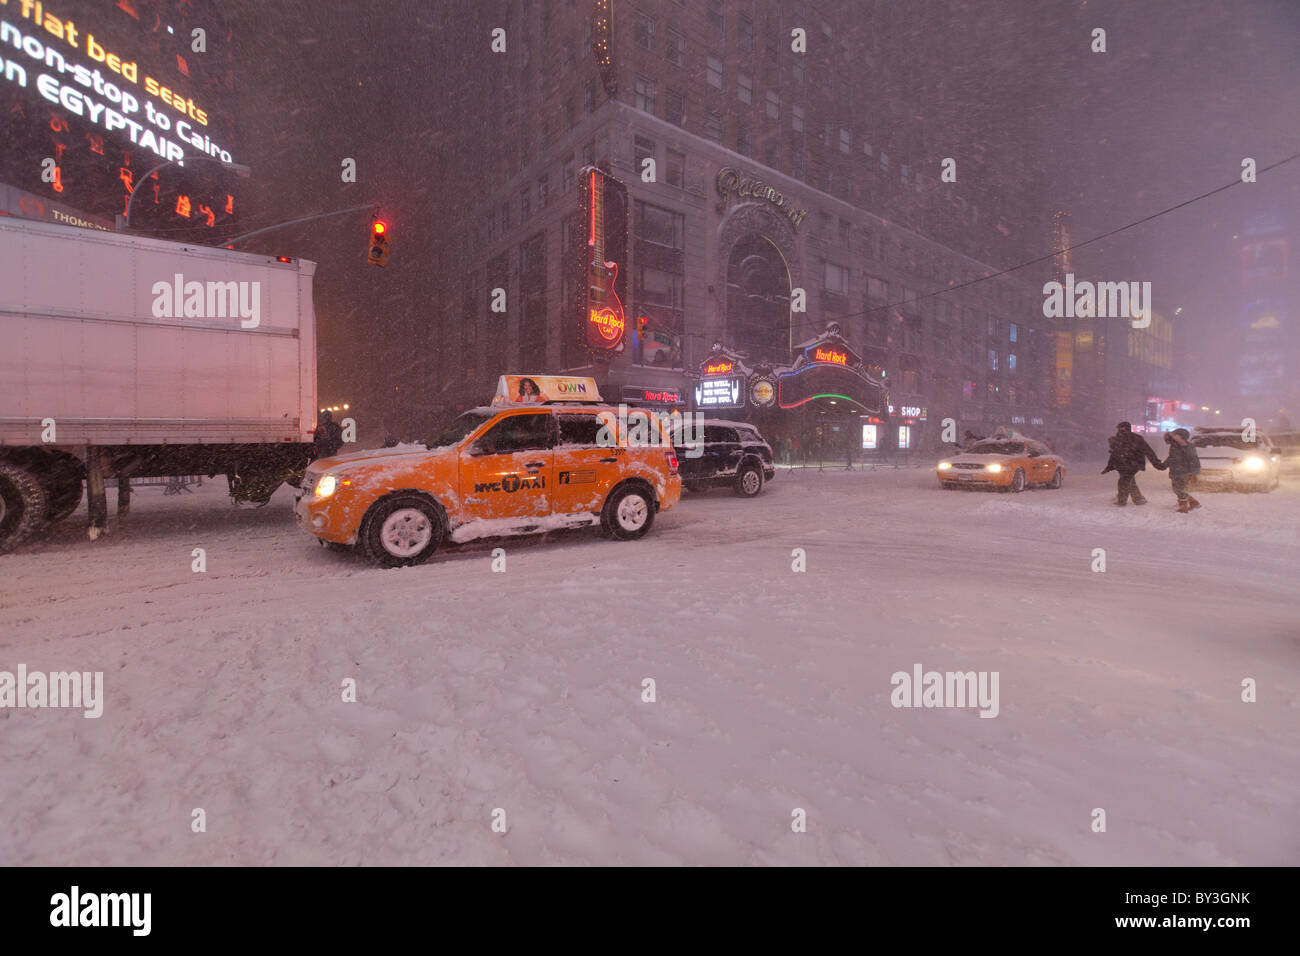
1186 89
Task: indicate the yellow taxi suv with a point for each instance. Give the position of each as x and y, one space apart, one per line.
1011 464
547 454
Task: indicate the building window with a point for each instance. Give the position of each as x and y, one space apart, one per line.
675 168
642 149
570 115
770 153
675 107
657 287
844 141
566 173
532 256
910 381
969 390
744 87
884 161
543 190
713 126
796 70
645 31
661 226
589 97
1011 362
743 144
745 35
904 173
675 48
525 202
715 72
715 14
866 148
837 279
645 94
773 104
904 436
796 164
796 118
1013 331
993 360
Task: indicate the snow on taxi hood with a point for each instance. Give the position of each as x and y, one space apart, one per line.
370 455
984 459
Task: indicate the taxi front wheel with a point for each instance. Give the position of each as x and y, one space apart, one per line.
628 513
401 531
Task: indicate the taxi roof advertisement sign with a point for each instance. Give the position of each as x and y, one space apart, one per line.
535 389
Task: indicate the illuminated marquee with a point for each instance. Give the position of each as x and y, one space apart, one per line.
828 368
830 355
720 367
108 95
728 392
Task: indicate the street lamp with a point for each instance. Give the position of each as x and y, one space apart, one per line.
239 169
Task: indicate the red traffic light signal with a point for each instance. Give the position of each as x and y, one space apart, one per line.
378 249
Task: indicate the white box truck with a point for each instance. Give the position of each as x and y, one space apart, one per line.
123 356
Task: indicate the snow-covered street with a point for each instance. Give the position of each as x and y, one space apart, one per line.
522 690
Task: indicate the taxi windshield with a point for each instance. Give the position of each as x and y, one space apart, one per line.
997 448
453 433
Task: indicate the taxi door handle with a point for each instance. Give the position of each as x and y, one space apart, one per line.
608 461
535 464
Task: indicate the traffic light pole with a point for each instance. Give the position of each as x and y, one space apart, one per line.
373 207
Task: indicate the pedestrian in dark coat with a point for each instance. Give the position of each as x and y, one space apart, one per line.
1130 454
1183 464
328 438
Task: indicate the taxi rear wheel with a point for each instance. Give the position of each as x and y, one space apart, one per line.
1056 479
401 531
628 514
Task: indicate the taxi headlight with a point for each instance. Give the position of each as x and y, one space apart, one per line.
945 465
993 467
325 487
1253 463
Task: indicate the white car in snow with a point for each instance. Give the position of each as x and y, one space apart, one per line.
1230 462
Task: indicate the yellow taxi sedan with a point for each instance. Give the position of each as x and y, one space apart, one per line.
1004 464
511 469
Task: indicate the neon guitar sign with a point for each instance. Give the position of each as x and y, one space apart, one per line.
606 321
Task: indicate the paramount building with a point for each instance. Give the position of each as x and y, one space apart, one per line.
784 212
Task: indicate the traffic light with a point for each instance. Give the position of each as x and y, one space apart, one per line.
378 254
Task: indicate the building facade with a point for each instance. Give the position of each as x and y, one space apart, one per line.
765 202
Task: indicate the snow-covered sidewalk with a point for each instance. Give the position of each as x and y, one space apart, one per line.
522 690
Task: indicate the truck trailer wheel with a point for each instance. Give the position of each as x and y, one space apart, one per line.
64 499
23 505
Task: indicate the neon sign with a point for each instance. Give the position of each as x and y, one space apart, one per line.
830 355
719 368
720 393
608 323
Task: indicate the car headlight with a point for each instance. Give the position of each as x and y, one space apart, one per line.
325 487
945 465
1253 463
993 467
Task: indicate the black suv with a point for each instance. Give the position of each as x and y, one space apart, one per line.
735 455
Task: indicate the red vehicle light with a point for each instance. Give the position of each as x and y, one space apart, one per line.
671 458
